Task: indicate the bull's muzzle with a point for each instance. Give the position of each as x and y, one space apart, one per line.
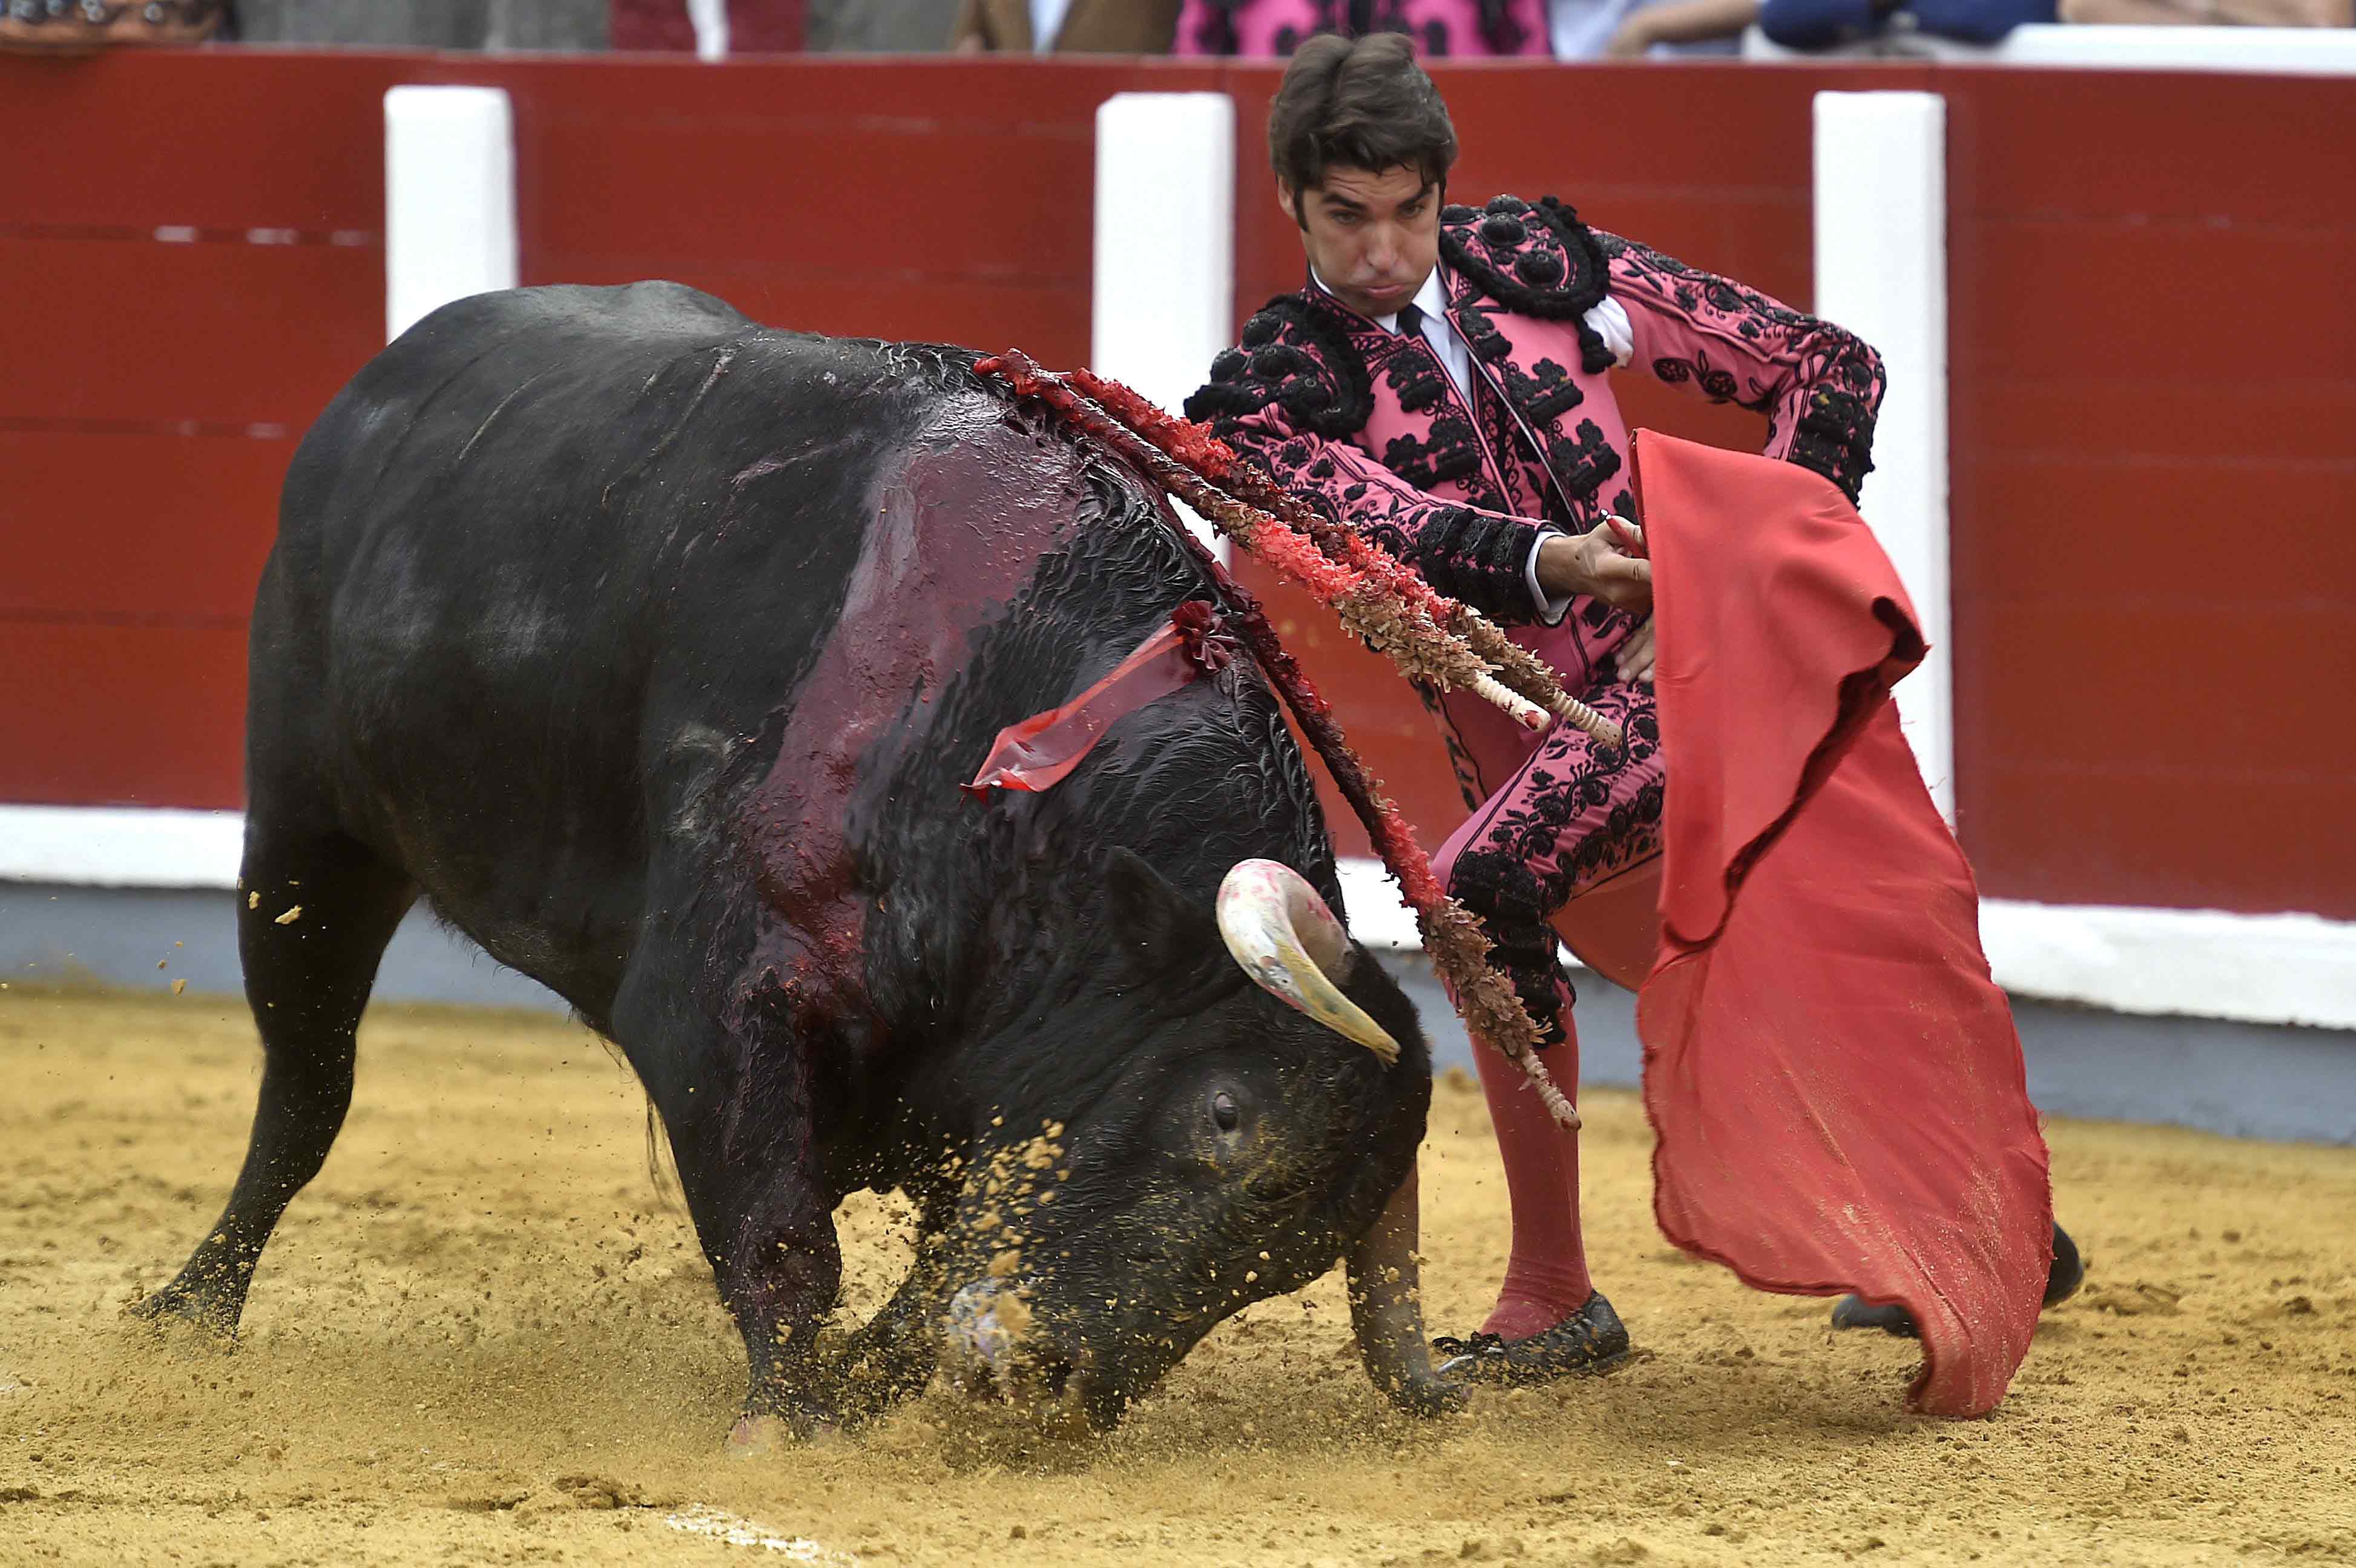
994 1346
1285 938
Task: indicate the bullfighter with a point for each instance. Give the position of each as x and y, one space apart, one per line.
1439 383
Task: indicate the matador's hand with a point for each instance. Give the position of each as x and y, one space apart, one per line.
1636 657
1594 563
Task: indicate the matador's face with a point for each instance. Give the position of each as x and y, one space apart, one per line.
1372 238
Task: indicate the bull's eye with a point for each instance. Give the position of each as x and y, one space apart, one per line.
1224 1111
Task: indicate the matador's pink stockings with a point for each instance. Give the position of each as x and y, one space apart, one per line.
1546 1280
1613 928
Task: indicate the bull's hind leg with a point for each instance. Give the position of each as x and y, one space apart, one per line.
734 1095
313 916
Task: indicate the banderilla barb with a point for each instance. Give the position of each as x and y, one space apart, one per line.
1426 635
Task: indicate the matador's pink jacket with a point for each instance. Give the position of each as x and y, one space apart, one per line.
1367 424
1457 28
1368 421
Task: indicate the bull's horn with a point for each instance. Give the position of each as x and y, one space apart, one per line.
1290 944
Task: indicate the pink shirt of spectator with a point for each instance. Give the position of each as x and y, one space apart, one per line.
1440 28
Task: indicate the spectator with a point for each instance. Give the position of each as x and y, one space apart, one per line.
68 26
1592 30
1065 26
1819 24
878 26
709 27
422 23
1274 28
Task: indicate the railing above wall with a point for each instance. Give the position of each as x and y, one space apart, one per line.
2296 52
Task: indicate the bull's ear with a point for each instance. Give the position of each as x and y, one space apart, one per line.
1152 922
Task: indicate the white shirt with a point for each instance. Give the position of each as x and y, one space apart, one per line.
1455 357
1455 354
1046 21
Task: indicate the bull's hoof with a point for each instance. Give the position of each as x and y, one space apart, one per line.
757 1436
2061 1283
194 1314
1589 1341
1427 1397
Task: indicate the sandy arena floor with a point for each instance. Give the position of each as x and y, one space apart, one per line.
482 1336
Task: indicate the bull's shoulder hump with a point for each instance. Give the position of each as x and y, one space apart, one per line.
651 312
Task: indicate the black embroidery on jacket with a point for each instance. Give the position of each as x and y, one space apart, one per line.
1538 260
1464 553
1582 460
1326 392
1449 452
1835 431
1495 877
1543 392
1501 29
1718 383
1517 464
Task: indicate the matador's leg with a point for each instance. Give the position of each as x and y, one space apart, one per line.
1576 815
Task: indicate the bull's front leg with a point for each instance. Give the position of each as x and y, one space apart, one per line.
735 1099
895 1353
1387 1311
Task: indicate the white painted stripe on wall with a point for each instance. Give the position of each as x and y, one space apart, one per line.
109 846
1881 271
1163 302
449 198
1377 913
2211 964
2202 963
2207 963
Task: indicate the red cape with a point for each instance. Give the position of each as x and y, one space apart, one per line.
1833 1080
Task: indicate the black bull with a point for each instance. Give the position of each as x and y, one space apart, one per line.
651 646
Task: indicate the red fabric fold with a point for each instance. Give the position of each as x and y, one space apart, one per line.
1833 1079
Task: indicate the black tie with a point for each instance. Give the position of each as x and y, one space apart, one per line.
1410 319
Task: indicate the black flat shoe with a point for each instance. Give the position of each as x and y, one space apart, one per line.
1590 1340
2061 1283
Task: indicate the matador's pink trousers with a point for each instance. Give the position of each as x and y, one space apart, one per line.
1566 841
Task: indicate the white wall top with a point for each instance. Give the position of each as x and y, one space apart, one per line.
449 198
2302 51
2297 51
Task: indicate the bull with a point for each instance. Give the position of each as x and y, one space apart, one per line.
651 646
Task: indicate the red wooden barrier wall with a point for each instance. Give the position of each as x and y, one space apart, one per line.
2153 331
2154 377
